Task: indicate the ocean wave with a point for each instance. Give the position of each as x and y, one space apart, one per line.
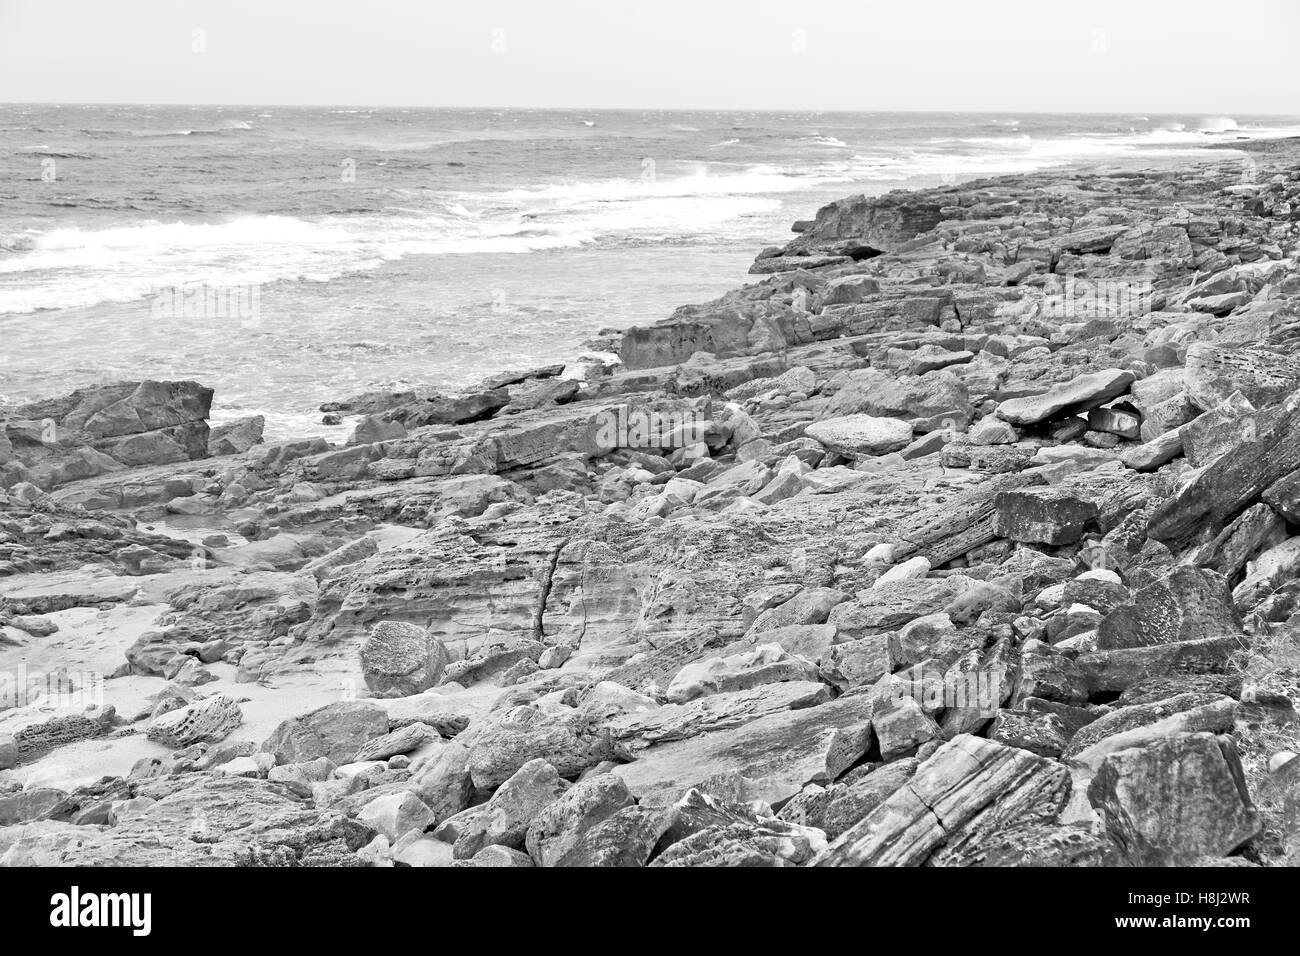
75 267
830 141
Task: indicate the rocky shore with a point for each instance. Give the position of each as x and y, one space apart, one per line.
965 535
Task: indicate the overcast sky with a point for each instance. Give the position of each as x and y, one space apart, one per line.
1192 56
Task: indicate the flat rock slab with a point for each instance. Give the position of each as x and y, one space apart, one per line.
861 434
969 790
778 754
1077 395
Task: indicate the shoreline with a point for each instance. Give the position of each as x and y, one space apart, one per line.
756 560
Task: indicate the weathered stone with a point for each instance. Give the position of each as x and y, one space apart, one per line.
861 435
1053 515
396 814
501 745
1188 604
1263 376
1174 800
1078 395
967 791
402 659
336 731
558 829
504 820
778 753
210 720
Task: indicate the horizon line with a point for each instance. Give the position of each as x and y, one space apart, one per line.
642 109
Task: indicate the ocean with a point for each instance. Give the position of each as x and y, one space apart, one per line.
288 256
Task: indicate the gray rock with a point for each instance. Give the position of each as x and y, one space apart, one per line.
402 659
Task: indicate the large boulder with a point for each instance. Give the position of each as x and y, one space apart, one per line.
401 659
1174 800
96 430
336 731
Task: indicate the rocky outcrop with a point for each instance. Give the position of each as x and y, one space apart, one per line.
102 429
960 537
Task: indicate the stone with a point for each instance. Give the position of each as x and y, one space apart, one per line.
396 814
336 731
901 726
768 663
1187 604
642 728
234 438
967 791
1155 453
1053 515
399 742
835 808
210 720
558 830
1115 671
779 753
1263 376
505 819
1122 420
500 746
626 838
402 659
1078 395
443 781
861 435
1222 490
1175 799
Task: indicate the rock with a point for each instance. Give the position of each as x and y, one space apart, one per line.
1078 395
396 814
779 753
861 435
1188 604
201 820
835 808
1263 376
1217 494
336 731
766 664
210 720
966 792
1114 671
500 746
444 782
642 728
1053 515
559 828
234 438
1122 420
809 606
399 742
505 819
901 726
402 659
1159 451
627 838
374 428
1175 799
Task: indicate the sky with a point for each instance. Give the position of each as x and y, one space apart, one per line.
1149 56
